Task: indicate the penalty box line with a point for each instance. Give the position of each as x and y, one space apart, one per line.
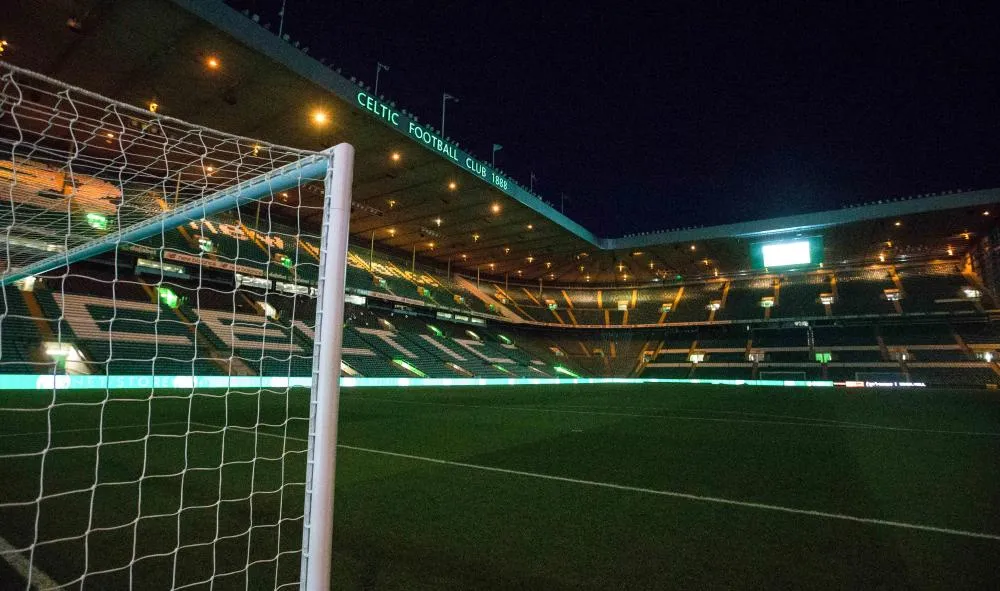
657 492
685 496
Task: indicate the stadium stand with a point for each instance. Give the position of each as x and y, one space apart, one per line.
863 293
799 296
937 324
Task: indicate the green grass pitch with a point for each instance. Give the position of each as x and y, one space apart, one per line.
624 486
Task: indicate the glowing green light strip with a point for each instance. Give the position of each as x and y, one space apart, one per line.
410 368
80 382
564 371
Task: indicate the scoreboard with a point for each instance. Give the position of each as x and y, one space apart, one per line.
802 252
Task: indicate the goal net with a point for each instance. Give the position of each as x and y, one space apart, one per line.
171 294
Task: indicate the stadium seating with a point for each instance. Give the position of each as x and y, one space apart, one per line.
934 288
743 299
863 293
215 329
799 296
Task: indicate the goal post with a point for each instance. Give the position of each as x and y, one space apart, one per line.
317 536
172 300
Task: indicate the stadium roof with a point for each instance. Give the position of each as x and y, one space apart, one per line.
414 191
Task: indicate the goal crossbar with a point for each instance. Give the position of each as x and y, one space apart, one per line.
310 168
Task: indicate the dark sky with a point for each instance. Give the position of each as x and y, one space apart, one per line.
658 115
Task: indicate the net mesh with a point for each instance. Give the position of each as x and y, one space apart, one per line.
154 397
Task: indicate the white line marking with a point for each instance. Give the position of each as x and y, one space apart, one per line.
637 489
800 423
724 412
686 496
29 572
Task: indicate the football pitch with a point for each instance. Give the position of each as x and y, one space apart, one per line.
589 486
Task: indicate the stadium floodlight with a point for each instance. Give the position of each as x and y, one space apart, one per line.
265 502
444 101
378 70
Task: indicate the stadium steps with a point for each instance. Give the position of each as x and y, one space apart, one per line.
21 335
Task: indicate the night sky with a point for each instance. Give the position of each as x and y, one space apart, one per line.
658 115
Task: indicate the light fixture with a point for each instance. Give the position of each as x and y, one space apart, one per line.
692 247
475 237
319 117
548 264
495 208
465 257
987 212
395 156
168 297
881 257
256 149
951 252
109 135
898 223
452 185
531 259
392 231
437 221
3 46
506 250
431 245
153 106
212 62
392 203
531 227
97 221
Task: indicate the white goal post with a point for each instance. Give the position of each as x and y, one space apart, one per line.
83 177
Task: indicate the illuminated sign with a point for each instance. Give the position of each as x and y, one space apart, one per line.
413 129
800 251
786 253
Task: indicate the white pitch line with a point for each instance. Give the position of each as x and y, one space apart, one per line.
726 412
28 571
662 493
686 496
800 423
